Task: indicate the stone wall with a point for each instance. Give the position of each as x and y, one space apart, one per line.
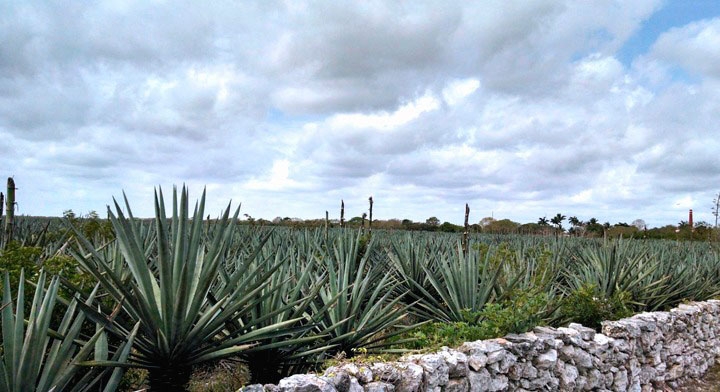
647 352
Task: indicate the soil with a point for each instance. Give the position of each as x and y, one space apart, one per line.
709 383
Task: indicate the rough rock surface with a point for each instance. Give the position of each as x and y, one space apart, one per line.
657 351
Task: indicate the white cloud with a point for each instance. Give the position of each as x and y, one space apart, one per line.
684 203
277 179
384 120
695 47
585 196
519 108
597 70
457 90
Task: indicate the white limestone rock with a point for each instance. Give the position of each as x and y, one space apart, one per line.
436 370
457 362
546 360
305 383
482 381
379 386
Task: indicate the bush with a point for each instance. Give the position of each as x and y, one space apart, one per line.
517 315
432 336
68 268
16 258
589 307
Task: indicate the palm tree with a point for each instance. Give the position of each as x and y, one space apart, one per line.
594 226
577 225
557 221
543 221
575 221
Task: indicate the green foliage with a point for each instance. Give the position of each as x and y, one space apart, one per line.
448 227
517 314
623 231
355 221
171 282
363 243
37 355
286 299
432 336
557 221
68 268
359 307
589 306
16 258
656 275
90 225
460 282
432 221
409 259
503 226
618 266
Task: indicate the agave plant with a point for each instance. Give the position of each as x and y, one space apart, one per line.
528 266
617 267
288 296
409 260
359 308
460 285
687 273
168 290
35 357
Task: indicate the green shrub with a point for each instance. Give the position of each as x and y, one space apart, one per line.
432 336
69 269
91 225
518 314
16 258
587 306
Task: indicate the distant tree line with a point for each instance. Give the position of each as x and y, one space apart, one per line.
557 225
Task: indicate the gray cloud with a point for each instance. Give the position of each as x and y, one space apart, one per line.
515 107
368 39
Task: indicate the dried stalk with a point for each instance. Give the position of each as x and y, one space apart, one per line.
370 222
327 223
465 234
342 213
10 210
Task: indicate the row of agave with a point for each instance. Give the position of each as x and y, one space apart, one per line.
180 291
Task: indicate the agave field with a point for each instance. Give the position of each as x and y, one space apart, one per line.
80 307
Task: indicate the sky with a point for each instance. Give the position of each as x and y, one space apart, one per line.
522 109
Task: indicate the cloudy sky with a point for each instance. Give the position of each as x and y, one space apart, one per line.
605 109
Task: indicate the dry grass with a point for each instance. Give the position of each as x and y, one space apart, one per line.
223 376
134 380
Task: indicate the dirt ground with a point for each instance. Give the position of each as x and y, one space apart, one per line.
709 383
